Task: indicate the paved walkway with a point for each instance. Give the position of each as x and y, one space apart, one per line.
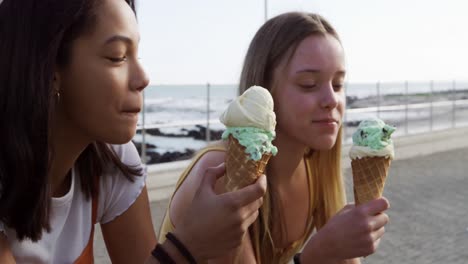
428 192
429 211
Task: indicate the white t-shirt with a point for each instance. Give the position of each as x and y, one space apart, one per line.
70 218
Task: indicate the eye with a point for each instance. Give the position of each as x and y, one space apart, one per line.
308 86
117 59
338 87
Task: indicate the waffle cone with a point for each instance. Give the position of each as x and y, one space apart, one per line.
240 169
369 175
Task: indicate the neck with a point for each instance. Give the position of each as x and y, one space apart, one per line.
286 166
67 146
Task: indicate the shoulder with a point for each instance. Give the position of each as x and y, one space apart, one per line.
186 190
128 169
127 153
210 156
116 192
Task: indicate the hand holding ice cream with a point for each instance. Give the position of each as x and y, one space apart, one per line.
250 128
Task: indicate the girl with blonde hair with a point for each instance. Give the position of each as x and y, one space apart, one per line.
299 58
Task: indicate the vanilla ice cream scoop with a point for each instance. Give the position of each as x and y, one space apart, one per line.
254 108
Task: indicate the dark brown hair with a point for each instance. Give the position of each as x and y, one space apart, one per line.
35 37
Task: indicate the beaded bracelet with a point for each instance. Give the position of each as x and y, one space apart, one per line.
161 255
181 248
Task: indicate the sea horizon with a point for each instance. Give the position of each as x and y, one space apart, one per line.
167 105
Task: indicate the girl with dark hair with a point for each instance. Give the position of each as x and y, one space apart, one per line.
299 58
70 93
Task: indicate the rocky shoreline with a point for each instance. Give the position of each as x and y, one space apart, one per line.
198 133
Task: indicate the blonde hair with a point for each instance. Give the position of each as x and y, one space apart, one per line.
274 43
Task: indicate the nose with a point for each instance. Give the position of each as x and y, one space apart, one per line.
329 98
138 78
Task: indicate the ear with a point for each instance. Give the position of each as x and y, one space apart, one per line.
56 82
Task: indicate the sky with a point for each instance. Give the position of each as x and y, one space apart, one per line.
196 42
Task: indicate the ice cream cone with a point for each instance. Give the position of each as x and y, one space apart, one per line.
369 175
240 169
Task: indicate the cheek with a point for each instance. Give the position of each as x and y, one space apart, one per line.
86 99
90 89
341 107
91 101
292 110
85 112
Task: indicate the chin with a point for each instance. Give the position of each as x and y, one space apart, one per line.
121 137
323 143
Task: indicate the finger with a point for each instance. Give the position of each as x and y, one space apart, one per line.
252 207
371 249
249 194
349 206
376 244
217 171
251 219
388 202
376 235
379 221
375 206
211 175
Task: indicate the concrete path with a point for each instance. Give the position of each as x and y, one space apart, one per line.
428 190
429 210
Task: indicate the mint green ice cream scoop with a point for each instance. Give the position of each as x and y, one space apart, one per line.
256 141
373 133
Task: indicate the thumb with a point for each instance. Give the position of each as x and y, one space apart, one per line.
211 175
375 206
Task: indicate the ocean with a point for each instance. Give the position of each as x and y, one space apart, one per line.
176 109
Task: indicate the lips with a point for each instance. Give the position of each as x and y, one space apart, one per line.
130 110
326 120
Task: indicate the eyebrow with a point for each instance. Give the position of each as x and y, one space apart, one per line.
341 72
120 38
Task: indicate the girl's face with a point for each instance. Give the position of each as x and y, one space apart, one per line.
100 89
309 95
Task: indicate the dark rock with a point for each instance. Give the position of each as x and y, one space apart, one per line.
157 132
154 131
351 99
154 157
200 134
148 146
352 123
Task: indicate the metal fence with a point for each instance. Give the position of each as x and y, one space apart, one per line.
413 107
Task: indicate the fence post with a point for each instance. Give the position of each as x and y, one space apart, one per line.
378 99
143 132
454 105
431 107
406 108
208 113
